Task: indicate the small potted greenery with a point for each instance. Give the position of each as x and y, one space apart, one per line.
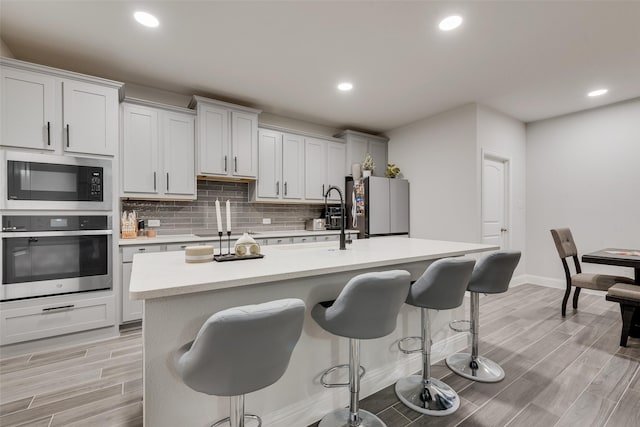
367 166
392 170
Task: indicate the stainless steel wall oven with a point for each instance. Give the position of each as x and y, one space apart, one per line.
46 255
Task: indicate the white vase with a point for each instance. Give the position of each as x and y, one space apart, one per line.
366 173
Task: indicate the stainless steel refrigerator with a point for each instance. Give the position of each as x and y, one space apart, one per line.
378 206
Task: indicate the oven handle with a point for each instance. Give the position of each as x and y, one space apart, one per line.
56 233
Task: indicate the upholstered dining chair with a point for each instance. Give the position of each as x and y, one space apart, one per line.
566 247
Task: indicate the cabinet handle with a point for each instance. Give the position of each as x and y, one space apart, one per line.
235 164
323 190
62 307
142 249
277 188
225 163
167 181
154 181
285 188
48 133
67 134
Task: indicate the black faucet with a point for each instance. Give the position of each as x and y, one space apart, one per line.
343 240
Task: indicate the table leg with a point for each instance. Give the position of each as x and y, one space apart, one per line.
635 321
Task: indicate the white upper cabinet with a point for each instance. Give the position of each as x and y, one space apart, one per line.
139 154
324 166
315 168
335 167
227 139
359 144
178 140
213 140
270 164
28 106
44 108
158 151
244 144
280 166
292 166
90 115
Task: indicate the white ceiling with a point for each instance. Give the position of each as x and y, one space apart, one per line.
531 60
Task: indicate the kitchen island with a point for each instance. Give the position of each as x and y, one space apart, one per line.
179 297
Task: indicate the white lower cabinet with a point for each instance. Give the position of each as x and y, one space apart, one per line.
132 309
48 317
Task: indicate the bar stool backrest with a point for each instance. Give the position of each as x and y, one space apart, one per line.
368 305
493 272
442 285
242 349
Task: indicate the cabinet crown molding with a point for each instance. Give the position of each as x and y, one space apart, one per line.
348 132
298 132
56 72
195 100
152 104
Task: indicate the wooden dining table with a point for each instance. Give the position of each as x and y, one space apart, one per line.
620 258
617 257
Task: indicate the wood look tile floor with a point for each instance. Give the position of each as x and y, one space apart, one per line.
559 372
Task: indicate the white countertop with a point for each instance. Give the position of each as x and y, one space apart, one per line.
180 238
166 274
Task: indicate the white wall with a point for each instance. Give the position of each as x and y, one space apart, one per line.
5 51
583 172
438 157
505 136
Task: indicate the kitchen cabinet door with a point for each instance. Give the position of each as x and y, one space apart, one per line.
213 140
269 170
292 166
244 144
139 150
179 154
378 151
335 167
27 110
356 150
315 168
90 118
131 309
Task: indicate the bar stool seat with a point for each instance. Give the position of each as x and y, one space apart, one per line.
491 275
441 287
367 308
240 350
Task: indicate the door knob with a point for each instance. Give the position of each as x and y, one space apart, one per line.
502 230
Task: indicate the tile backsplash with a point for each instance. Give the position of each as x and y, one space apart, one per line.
199 216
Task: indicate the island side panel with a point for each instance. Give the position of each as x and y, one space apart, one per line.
173 321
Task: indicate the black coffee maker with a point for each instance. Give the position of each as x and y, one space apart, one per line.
333 217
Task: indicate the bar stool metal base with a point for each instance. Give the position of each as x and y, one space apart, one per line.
227 421
439 399
341 418
485 371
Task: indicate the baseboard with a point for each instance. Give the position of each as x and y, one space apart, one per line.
308 411
519 280
551 282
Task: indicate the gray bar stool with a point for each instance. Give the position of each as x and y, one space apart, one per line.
491 275
240 350
441 287
367 308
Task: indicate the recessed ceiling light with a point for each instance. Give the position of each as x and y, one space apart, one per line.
146 19
450 23
597 92
345 86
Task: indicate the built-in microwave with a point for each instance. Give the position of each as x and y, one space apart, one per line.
49 182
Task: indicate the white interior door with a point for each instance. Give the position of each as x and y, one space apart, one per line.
494 201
